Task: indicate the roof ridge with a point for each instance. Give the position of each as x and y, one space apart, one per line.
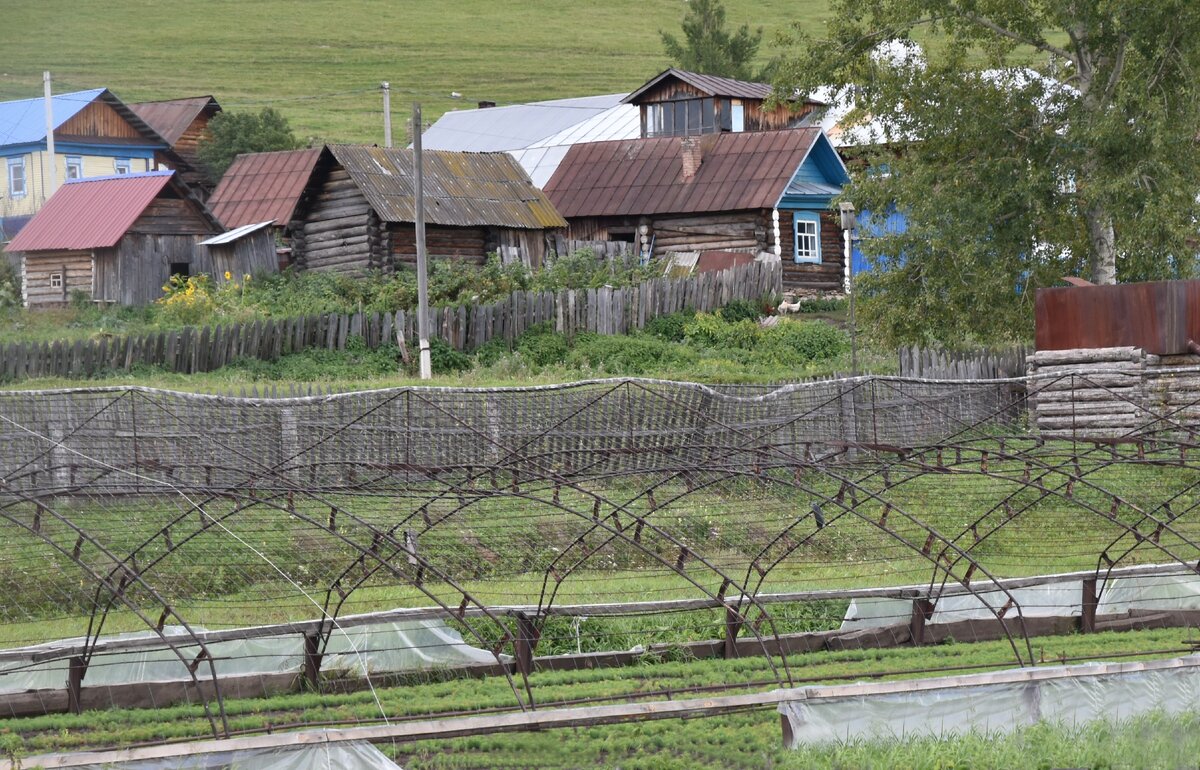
109 177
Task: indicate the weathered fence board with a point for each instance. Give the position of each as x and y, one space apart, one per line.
604 310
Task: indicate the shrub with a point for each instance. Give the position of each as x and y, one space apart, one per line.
710 330
670 327
822 304
10 283
796 341
541 346
444 359
741 310
491 351
627 355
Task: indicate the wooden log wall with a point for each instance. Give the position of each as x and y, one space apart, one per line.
340 232
465 244
1088 393
829 275
75 267
603 311
748 231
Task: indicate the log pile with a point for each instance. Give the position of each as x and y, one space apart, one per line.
1088 393
1112 392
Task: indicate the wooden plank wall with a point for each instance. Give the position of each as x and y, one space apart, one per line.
133 273
980 364
604 311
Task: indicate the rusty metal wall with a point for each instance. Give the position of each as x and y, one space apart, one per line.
1159 316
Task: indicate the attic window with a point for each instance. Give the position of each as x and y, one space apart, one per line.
56 281
681 117
122 165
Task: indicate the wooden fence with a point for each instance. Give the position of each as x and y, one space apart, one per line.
465 327
980 364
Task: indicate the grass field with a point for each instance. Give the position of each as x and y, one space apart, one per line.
320 62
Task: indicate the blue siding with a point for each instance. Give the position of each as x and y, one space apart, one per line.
893 223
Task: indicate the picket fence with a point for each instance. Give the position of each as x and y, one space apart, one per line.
604 310
979 364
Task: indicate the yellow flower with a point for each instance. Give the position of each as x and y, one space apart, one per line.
246 276
228 276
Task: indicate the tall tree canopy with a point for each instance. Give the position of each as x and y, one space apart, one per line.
232 133
1031 139
709 47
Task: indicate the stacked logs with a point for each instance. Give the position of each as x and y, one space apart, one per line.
1088 393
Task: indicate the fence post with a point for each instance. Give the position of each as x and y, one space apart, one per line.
524 643
76 668
1087 613
733 625
922 611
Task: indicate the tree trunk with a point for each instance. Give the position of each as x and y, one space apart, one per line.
1103 258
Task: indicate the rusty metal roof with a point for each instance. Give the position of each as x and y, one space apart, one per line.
709 84
171 117
263 186
464 189
645 176
90 213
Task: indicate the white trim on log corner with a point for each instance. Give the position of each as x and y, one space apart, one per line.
598 715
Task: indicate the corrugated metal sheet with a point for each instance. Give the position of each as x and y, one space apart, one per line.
24 120
236 233
512 127
645 176
263 186
709 84
541 160
90 213
1158 316
171 117
464 189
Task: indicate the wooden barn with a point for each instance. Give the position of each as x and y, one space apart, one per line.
118 239
762 192
680 103
357 213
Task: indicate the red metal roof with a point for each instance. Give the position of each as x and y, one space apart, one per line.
90 213
263 186
645 176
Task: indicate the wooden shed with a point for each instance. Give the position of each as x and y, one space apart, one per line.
765 192
183 125
681 103
246 250
118 240
358 211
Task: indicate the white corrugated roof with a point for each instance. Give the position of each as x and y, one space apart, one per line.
234 234
622 121
512 127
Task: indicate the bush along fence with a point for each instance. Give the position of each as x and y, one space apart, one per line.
465 327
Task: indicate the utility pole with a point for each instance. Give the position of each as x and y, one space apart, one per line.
53 175
422 259
849 225
387 113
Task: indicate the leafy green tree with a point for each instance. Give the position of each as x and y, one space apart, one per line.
232 133
1031 139
709 47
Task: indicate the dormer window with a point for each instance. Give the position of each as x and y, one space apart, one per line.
681 117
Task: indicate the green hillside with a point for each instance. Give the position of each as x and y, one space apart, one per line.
320 62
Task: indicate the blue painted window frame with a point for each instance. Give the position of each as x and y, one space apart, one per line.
123 165
77 162
808 218
13 165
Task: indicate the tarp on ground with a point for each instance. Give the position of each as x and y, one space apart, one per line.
1061 600
325 756
357 651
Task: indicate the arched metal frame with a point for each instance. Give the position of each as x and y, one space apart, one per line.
702 452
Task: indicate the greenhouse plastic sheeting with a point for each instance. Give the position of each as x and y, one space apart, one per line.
994 708
357 651
326 756
1117 596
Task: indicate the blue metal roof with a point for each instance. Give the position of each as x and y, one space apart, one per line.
24 120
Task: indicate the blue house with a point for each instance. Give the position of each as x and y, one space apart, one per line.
95 134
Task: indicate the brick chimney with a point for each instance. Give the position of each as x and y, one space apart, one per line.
689 151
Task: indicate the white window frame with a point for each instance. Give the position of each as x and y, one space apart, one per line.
56 280
811 251
13 165
76 162
123 165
